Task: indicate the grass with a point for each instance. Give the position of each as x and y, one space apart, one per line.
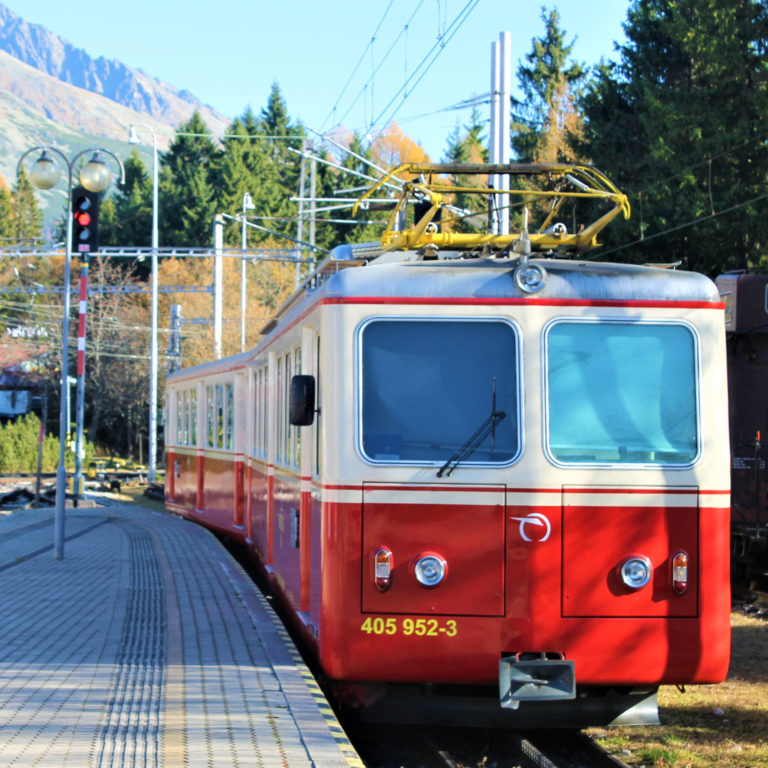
134 494
723 725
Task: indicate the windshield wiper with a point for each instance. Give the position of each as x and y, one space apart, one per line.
488 427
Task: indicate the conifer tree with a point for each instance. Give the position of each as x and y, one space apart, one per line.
190 175
27 219
467 145
551 84
128 219
679 124
6 217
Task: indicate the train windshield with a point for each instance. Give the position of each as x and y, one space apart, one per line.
427 385
622 393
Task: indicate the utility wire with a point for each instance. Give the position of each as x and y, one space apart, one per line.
692 223
370 80
434 52
359 62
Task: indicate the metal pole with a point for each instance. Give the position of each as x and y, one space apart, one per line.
494 148
312 206
46 179
80 395
152 458
61 471
242 282
505 45
218 279
300 221
247 204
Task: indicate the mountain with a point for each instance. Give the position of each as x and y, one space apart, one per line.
46 52
52 93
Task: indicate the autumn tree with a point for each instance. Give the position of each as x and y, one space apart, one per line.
117 361
392 147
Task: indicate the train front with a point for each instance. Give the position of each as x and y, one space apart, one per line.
526 488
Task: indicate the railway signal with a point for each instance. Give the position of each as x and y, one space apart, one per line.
85 214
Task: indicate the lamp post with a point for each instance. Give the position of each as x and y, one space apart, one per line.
95 177
247 205
133 138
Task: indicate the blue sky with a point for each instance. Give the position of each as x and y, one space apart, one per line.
332 59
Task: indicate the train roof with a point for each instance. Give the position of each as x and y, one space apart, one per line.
408 275
435 257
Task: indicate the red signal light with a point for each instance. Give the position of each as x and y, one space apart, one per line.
85 218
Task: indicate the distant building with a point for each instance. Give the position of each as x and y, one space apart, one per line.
21 351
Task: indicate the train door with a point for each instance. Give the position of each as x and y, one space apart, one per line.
238 437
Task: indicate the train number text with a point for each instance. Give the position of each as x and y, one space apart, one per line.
419 627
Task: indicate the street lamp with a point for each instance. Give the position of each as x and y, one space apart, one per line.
95 177
247 205
133 138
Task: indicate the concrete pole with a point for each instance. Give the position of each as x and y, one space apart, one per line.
218 279
505 44
312 205
300 222
493 138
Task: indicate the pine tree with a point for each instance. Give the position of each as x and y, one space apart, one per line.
190 174
6 217
467 145
551 84
27 218
128 221
678 124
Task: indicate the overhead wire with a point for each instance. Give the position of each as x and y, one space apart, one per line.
375 70
359 62
434 52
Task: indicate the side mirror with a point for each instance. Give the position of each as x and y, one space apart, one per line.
301 405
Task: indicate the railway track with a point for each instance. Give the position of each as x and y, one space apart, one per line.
384 746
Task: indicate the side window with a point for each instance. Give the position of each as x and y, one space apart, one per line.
279 407
185 418
211 417
192 417
264 420
179 418
318 420
219 416
288 446
295 430
259 413
621 393
229 405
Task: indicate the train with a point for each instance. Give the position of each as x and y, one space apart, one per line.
745 295
487 476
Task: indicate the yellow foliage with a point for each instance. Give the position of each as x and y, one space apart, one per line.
268 284
393 147
563 125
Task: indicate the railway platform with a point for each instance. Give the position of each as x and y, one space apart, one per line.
147 645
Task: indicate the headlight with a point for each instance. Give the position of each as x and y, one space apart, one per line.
530 277
636 571
430 570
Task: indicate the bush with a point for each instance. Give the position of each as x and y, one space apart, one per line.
18 447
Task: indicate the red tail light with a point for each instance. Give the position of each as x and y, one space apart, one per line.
382 569
680 573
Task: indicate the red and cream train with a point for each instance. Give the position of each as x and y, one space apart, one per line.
484 483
